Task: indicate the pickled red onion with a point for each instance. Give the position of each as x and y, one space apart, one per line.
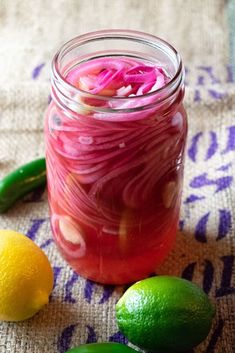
141 74
116 75
94 157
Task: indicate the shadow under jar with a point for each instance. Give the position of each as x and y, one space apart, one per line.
115 154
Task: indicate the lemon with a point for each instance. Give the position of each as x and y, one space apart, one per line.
165 313
26 277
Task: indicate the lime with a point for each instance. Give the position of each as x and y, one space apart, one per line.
107 347
165 313
26 277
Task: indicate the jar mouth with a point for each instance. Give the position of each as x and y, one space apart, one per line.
151 42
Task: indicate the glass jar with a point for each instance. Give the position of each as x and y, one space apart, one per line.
115 174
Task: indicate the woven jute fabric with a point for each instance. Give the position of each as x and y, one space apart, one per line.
81 311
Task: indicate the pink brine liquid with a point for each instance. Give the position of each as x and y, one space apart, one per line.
115 177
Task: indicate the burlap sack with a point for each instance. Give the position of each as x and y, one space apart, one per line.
81 311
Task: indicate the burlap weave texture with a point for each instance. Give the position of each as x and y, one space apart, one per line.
31 31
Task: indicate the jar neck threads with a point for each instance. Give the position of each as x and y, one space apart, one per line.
110 43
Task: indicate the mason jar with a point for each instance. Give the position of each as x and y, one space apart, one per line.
115 163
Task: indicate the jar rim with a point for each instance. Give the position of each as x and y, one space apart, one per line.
125 34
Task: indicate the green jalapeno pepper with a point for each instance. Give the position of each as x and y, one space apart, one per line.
20 182
109 347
